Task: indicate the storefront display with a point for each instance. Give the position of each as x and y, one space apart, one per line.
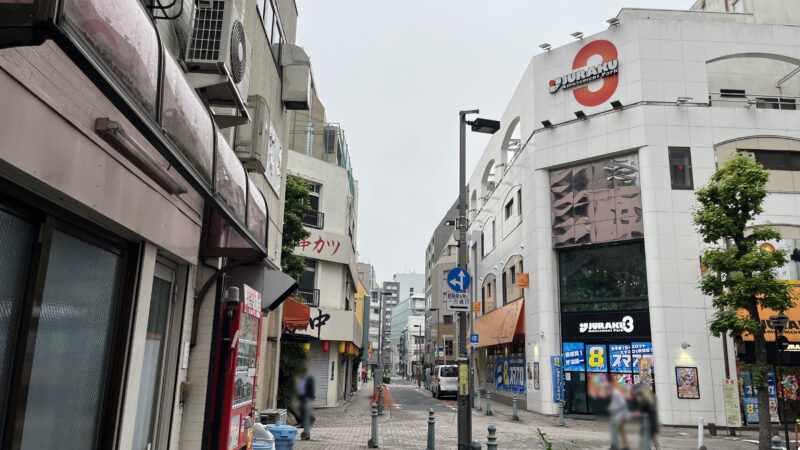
750 396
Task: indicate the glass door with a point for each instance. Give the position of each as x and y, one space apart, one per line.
148 406
73 337
16 241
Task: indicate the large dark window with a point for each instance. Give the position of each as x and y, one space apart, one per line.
777 160
603 277
680 168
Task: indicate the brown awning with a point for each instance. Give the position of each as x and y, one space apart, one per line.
295 315
501 325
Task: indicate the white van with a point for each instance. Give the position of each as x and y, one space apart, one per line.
444 381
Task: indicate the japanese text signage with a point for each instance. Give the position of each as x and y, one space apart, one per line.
620 358
457 301
574 357
558 378
509 374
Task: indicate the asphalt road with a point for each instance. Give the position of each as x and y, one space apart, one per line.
410 398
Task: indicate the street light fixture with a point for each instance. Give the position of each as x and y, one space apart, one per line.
465 397
778 323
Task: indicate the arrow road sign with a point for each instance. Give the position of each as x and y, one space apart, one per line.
458 301
458 279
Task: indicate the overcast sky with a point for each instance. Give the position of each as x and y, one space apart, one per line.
396 73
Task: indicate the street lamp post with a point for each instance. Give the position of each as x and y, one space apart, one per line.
418 354
778 323
464 399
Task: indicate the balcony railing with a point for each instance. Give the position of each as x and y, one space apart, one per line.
314 219
308 297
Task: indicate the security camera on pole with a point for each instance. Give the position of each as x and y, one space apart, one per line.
460 278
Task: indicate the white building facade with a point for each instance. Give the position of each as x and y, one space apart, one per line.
330 280
588 189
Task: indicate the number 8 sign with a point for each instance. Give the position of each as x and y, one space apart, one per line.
596 360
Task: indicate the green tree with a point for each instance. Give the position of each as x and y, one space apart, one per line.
741 277
293 357
295 209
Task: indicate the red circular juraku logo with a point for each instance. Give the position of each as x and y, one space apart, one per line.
608 52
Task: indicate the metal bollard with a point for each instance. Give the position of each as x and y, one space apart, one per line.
561 414
475 445
431 430
777 443
514 415
488 403
645 432
373 440
700 433
478 400
380 400
491 443
614 437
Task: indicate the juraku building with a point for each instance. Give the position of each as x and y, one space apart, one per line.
581 241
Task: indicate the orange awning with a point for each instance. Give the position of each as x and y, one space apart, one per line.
295 315
792 331
501 325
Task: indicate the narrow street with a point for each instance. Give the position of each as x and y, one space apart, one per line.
404 426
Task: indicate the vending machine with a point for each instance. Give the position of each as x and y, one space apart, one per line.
239 380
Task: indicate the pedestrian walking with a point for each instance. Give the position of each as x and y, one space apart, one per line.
618 407
306 395
646 404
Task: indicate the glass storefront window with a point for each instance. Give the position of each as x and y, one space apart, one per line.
69 369
15 249
613 272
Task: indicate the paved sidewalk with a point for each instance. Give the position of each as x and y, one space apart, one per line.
347 426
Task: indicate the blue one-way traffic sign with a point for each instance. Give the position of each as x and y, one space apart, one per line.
458 279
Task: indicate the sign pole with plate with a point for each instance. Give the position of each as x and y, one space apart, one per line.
460 300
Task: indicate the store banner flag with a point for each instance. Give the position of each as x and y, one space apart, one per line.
574 357
556 364
750 397
509 374
621 361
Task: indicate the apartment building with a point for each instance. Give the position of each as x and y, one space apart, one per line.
142 191
318 154
410 307
581 239
441 256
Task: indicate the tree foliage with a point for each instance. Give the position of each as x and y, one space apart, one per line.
741 276
295 209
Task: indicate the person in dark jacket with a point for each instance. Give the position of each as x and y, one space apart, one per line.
646 404
306 395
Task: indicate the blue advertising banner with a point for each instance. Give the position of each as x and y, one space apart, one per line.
509 374
574 357
620 355
639 349
596 358
557 366
750 397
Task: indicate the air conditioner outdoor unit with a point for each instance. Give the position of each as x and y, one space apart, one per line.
252 139
217 60
296 66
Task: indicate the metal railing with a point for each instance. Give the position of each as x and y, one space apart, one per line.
759 101
308 297
314 219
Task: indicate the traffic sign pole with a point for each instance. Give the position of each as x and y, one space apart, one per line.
464 399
